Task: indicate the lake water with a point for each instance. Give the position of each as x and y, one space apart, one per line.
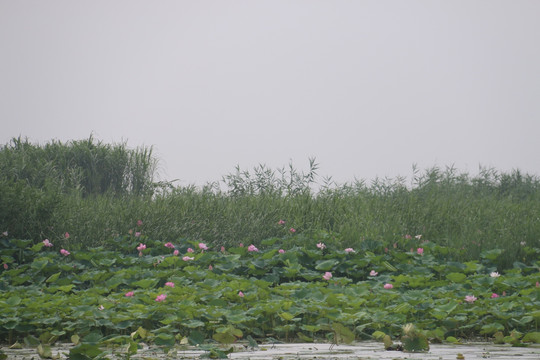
361 350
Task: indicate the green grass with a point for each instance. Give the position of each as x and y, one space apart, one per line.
84 166
98 191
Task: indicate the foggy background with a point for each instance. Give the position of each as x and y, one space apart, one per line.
368 88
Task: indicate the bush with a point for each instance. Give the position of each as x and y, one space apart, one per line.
26 211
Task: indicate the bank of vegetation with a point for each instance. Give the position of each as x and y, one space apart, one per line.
97 191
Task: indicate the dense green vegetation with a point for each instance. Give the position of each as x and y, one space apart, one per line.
95 251
291 288
94 191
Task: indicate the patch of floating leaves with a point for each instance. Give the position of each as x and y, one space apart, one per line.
168 294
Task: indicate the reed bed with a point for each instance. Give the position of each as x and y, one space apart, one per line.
97 192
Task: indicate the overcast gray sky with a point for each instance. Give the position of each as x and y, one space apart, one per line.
367 87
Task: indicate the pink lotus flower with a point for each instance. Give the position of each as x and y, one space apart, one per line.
169 284
494 295
139 222
5 233
161 298
373 273
241 294
349 250
385 249
281 251
66 235
388 286
189 250
408 237
537 284
129 294
176 252
6 266
187 258
292 230
494 274
321 245
203 246
327 275
420 251
141 247
223 249
252 248
47 243
64 252
281 222
210 267
241 245
169 245
470 299
138 234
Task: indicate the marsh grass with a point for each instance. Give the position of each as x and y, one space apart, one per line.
97 192
88 167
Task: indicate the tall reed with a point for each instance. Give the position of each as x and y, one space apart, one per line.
91 167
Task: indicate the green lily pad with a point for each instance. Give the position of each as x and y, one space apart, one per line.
532 337
456 277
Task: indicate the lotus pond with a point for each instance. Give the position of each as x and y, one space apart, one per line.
142 291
